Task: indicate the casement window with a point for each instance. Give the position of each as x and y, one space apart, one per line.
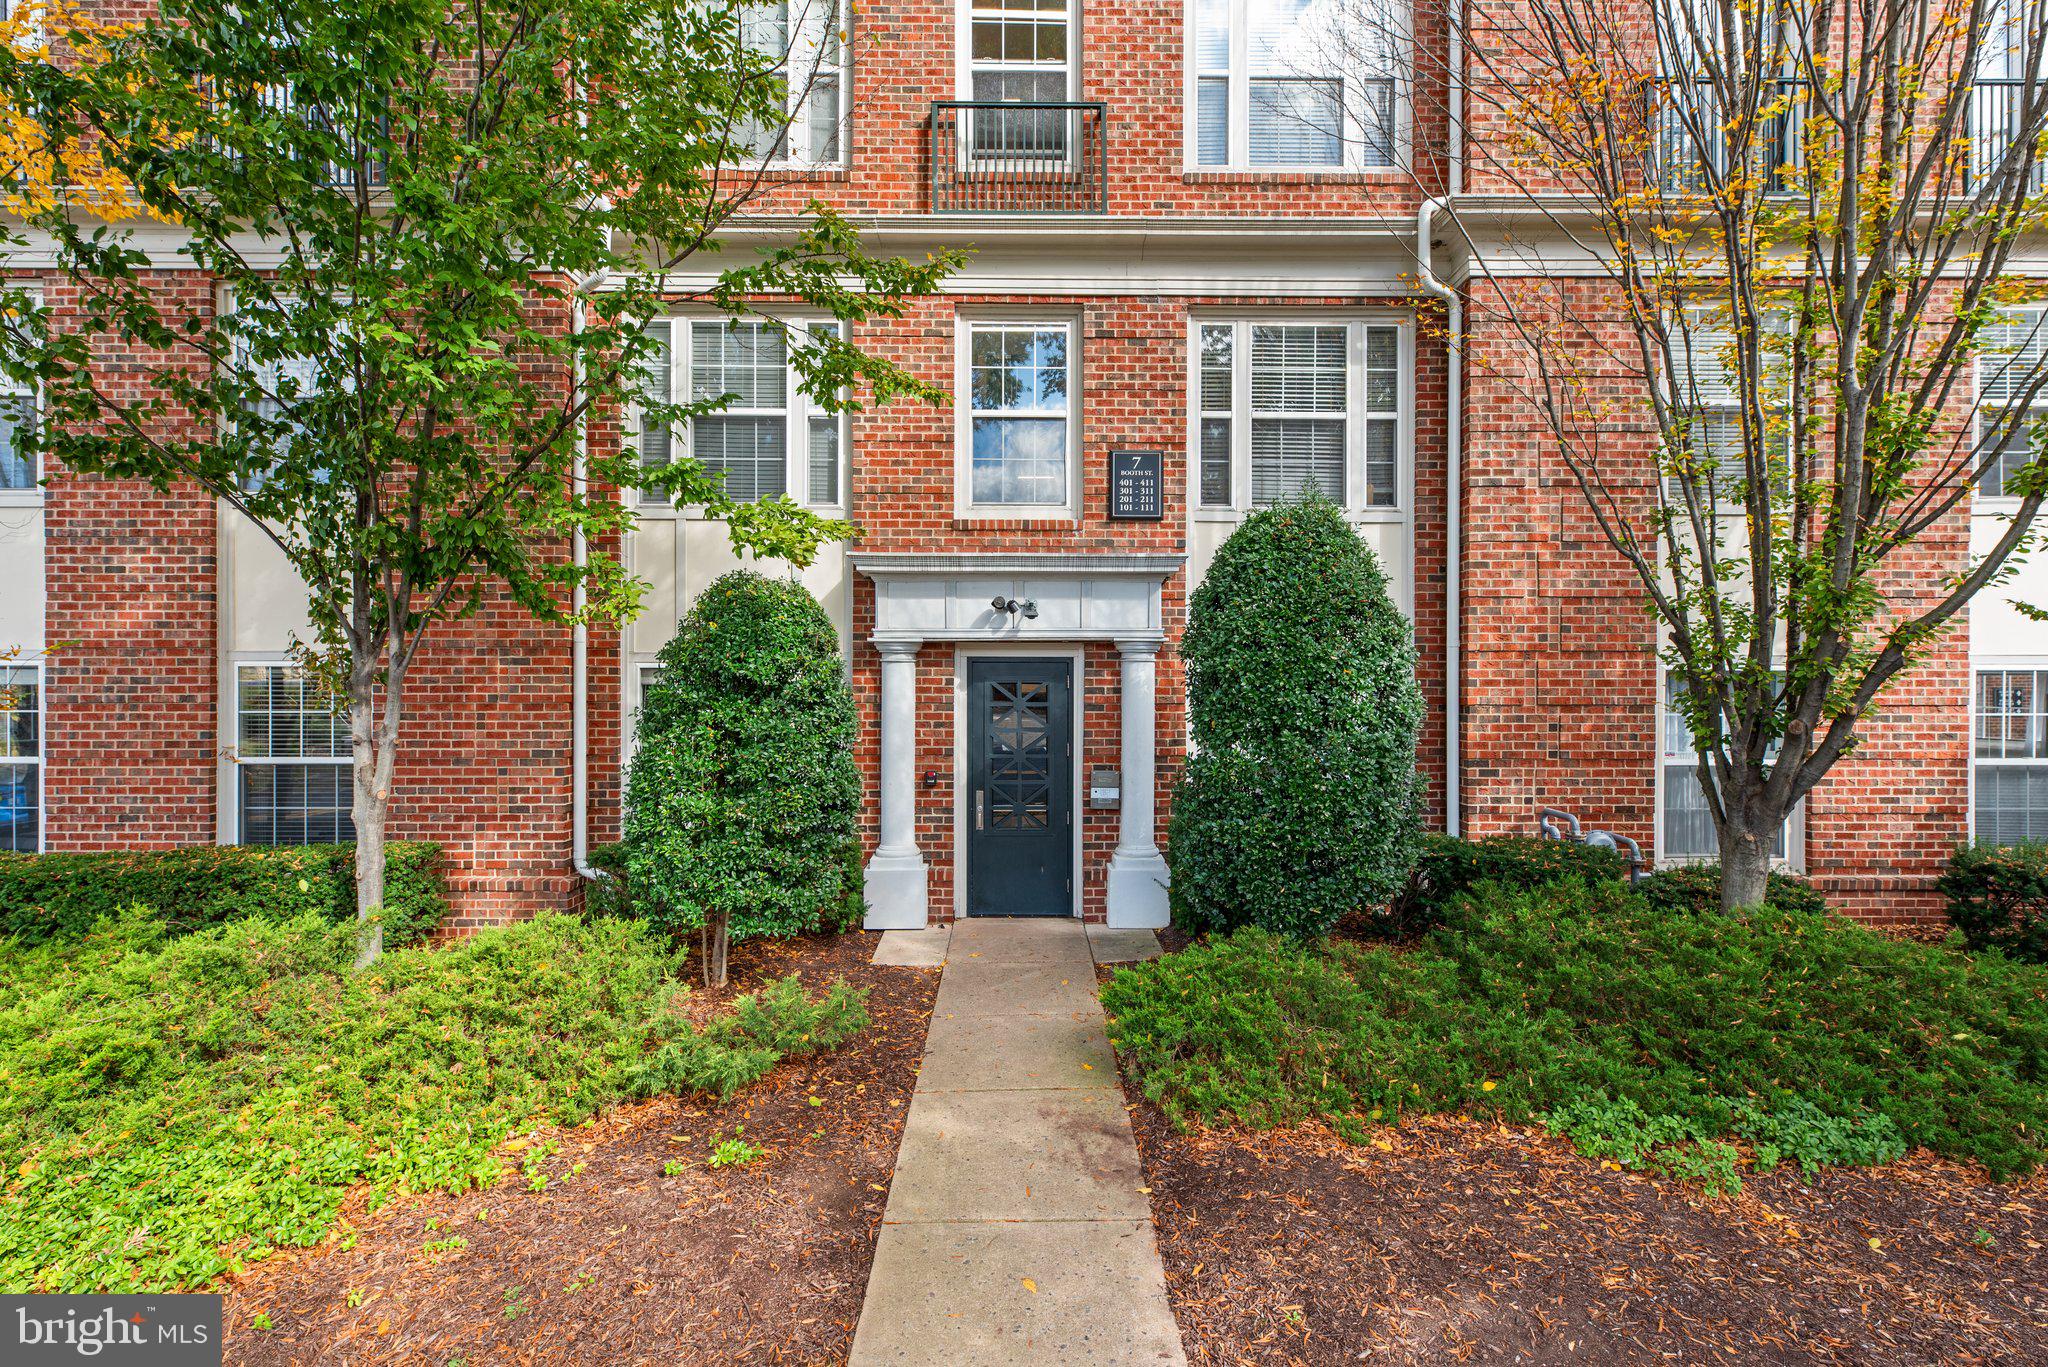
1019 52
21 759
1689 149
1285 407
1707 392
285 102
2010 766
1686 830
18 473
802 43
771 439
2013 355
18 414
293 765
1296 83
1019 416
2012 62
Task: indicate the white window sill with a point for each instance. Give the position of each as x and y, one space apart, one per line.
1361 515
21 498
1022 512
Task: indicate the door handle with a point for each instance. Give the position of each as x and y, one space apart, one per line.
977 808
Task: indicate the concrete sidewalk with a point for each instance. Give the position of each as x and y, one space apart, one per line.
1017 1230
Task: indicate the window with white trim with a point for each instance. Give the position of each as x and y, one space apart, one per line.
1019 52
2011 756
1019 413
1687 830
21 758
1707 394
803 43
1285 407
18 473
2013 354
292 759
771 439
1296 83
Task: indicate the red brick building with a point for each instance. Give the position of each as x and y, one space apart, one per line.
1197 239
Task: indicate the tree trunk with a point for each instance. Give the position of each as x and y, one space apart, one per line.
716 936
371 747
1746 840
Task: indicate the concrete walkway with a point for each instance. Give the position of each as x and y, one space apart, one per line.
1017 1230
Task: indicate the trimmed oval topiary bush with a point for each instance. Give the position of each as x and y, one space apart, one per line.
1299 800
742 802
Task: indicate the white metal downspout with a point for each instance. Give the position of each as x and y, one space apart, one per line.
1454 519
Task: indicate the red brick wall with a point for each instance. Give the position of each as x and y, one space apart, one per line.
133 679
1561 682
1132 56
1133 367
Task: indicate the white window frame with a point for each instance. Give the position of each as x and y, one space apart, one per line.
1794 858
799 408
1238 156
41 685
1988 369
964 413
1356 323
964 65
32 496
1708 394
809 22
237 832
2015 664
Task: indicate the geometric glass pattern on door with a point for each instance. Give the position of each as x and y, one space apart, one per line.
1019 755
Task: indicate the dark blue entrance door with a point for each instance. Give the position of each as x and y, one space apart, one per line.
1020 788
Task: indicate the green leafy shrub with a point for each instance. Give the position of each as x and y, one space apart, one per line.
1816 1040
1997 896
743 800
1298 803
766 1026
176 1107
1448 868
1697 888
611 895
62 895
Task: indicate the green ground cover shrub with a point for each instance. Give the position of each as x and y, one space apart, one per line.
1997 896
1298 801
1645 1034
1448 867
765 1027
175 1107
743 799
1697 887
62 895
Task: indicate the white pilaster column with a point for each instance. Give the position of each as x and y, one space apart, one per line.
896 877
1137 871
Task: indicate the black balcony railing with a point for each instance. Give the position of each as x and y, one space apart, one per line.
1691 151
2002 111
1050 158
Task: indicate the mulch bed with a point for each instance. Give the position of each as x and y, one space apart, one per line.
617 1262
1454 1240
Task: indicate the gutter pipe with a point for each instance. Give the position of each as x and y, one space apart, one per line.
1454 519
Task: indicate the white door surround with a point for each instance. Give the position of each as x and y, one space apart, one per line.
1074 598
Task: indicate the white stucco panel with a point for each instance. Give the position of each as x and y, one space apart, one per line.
1074 597
21 572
